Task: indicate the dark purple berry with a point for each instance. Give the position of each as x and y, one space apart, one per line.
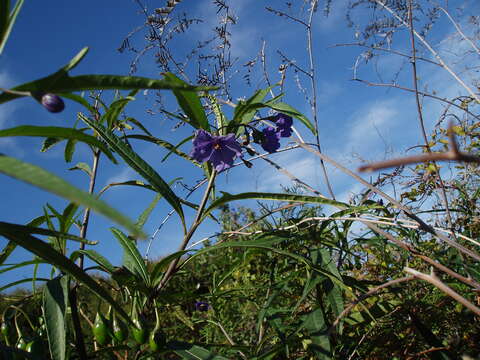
53 103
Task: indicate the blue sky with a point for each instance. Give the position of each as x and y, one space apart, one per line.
356 122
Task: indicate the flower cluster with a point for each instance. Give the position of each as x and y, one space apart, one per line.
271 136
223 149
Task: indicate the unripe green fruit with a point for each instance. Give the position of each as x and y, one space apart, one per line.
120 330
139 332
157 340
100 330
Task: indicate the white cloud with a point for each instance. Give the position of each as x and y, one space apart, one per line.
328 91
125 174
372 126
6 80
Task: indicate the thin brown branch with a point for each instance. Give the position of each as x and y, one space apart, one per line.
425 43
362 297
432 279
424 226
452 155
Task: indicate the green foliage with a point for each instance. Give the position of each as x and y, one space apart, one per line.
290 282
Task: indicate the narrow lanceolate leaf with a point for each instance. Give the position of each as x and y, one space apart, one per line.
61 82
83 167
69 150
50 255
142 219
245 110
226 198
46 232
116 108
45 180
139 165
6 252
172 148
132 259
7 21
57 133
190 103
4 15
333 292
315 325
95 257
55 303
162 264
219 116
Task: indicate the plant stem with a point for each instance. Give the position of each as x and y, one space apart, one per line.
86 215
173 265
312 75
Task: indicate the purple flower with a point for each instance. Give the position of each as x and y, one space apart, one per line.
270 141
284 124
202 306
52 103
219 150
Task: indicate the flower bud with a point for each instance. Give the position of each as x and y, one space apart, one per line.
52 103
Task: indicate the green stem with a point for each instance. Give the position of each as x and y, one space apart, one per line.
173 265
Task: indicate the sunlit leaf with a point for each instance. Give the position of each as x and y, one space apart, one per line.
45 180
139 165
53 257
57 133
189 102
55 304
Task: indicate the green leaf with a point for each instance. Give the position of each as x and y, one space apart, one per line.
132 259
19 265
190 103
181 154
49 142
79 99
23 281
69 150
219 116
138 124
192 352
4 15
161 265
142 219
75 61
45 180
7 251
172 148
83 167
245 110
139 165
61 82
95 257
333 292
226 198
55 303
315 325
58 134
116 108
50 255
6 26
47 232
